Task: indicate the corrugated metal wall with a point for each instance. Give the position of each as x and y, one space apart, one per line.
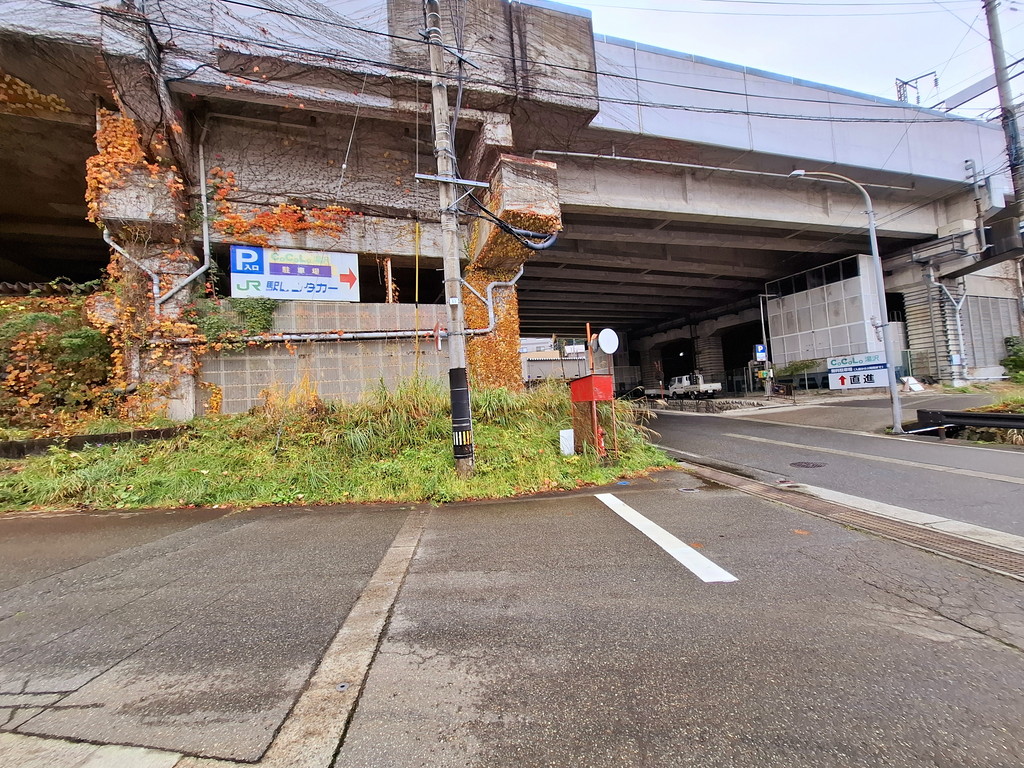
987 322
927 322
710 361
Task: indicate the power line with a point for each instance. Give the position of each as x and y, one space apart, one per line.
816 3
391 67
783 14
563 67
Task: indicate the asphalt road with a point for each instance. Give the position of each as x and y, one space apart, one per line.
546 632
984 486
551 633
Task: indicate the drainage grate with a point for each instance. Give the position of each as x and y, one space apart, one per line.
986 556
807 464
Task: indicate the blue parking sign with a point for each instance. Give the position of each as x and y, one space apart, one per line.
247 259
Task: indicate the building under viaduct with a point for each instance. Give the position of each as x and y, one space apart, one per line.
182 129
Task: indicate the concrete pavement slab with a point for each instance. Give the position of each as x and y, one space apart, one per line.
17 751
233 615
35 545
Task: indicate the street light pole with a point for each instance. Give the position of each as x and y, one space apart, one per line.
890 362
764 341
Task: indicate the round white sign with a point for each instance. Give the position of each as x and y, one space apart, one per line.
608 341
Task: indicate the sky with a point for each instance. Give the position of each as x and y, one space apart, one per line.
861 45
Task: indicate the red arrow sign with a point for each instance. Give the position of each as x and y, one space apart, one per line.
842 381
349 278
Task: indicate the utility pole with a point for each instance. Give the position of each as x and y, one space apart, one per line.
462 416
1007 114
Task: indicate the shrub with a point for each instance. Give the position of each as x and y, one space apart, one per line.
1014 360
51 360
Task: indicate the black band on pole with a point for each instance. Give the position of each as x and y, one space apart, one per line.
462 418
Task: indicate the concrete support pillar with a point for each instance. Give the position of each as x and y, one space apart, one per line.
650 367
710 361
162 376
135 194
524 194
493 360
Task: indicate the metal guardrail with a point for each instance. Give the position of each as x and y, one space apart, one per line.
929 420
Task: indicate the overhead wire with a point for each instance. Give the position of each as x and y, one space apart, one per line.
384 65
906 131
815 3
330 56
785 14
553 65
414 70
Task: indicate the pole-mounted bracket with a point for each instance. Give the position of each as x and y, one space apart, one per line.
454 207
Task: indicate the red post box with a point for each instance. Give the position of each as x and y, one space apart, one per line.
592 388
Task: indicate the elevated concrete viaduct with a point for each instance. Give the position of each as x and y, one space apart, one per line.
667 174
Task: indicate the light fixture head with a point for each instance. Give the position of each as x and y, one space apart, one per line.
796 174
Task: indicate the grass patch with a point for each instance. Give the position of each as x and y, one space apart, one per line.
395 445
1009 404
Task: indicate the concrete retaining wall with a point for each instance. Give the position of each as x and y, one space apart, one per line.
339 370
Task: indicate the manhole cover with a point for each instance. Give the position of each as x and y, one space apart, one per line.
807 464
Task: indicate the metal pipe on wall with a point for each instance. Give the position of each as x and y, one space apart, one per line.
153 276
957 306
207 260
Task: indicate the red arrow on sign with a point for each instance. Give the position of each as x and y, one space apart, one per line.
842 381
349 278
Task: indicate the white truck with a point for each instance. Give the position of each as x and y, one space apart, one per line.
692 387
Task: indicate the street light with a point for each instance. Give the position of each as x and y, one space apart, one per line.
764 340
890 362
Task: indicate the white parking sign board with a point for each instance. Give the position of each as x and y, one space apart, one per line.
858 371
293 274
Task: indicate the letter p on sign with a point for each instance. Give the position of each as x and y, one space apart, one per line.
247 260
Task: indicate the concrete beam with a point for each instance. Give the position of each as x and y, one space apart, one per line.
574 273
593 186
70 118
523 194
322 97
675 264
608 292
624 233
558 310
374 235
639 307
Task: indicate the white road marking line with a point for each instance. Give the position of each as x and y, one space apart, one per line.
694 561
885 459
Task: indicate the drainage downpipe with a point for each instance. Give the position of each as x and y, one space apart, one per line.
278 338
206 223
957 305
1020 285
489 302
135 262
